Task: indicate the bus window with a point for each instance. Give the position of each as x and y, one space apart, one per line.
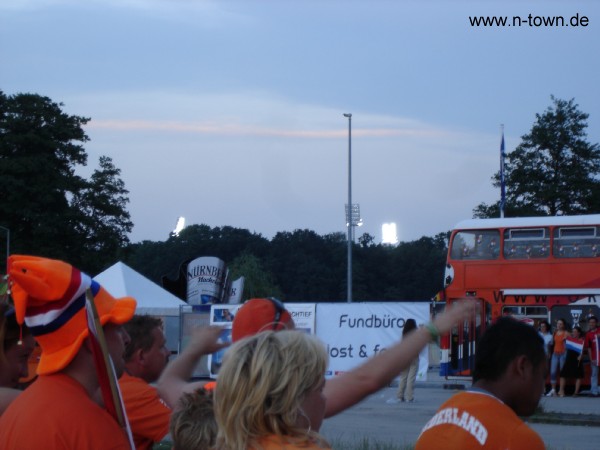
526 243
576 242
475 244
530 314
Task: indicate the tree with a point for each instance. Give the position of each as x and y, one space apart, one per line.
308 267
554 170
105 221
40 149
366 240
257 281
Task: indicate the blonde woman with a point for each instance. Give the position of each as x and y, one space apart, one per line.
270 393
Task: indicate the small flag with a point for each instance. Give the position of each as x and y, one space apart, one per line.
574 345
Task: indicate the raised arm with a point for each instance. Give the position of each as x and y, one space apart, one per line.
174 381
351 387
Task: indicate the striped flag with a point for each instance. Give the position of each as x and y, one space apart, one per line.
574 345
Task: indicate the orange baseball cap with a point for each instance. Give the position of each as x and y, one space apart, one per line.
259 314
49 296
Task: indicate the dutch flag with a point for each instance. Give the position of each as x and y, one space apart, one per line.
576 346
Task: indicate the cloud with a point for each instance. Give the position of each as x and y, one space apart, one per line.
258 114
224 129
262 162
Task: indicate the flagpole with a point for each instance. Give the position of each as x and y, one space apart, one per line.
107 379
502 181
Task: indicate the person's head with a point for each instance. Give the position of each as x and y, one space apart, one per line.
18 344
409 326
576 332
271 383
193 425
147 354
544 326
50 297
561 325
592 323
260 314
510 358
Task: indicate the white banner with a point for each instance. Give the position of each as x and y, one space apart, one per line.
353 332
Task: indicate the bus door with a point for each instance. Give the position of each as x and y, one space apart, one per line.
463 342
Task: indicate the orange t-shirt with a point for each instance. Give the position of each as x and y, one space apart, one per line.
477 420
56 413
148 414
560 338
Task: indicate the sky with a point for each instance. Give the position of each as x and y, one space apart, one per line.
230 113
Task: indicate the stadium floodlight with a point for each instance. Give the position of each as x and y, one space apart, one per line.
348 221
389 234
180 226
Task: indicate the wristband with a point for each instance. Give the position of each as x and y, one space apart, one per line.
433 330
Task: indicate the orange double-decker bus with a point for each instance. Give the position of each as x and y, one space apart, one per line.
531 268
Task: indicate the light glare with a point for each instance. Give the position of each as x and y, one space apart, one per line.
180 226
388 232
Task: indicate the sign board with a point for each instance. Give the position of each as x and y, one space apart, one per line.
302 313
354 332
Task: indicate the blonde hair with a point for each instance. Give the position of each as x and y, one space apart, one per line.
262 383
193 425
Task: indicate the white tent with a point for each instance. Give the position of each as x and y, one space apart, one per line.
121 280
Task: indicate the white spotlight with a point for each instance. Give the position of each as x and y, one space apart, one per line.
388 231
180 226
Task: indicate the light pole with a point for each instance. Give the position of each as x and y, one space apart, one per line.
349 215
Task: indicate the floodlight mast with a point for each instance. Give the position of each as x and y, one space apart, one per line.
349 216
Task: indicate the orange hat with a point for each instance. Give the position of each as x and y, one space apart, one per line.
49 295
259 314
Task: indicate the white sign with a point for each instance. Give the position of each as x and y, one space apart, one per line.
354 332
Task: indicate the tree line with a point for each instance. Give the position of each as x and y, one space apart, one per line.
302 265
51 211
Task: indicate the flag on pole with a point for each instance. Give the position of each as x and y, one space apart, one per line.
107 378
502 183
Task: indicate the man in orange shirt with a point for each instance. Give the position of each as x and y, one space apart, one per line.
58 410
508 381
146 356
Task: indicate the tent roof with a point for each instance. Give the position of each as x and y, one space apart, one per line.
121 280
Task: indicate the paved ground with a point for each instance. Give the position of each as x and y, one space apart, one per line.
401 423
